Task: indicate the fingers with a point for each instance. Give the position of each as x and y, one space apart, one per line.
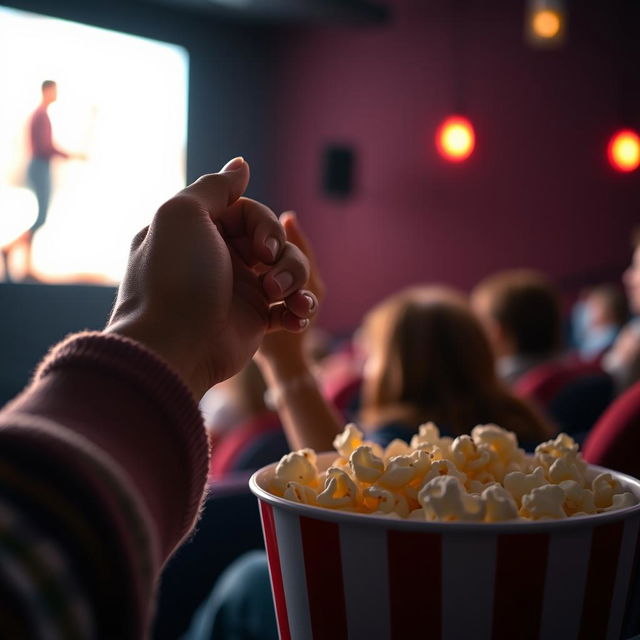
289 274
215 192
254 230
293 314
294 232
289 221
303 303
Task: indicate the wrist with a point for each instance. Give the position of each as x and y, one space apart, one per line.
171 353
276 393
279 369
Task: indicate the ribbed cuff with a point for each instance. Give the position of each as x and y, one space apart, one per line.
132 362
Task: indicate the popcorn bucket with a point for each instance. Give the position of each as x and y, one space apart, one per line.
345 575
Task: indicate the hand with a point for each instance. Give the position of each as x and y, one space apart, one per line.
209 277
281 345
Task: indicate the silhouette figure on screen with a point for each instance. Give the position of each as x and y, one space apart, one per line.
42 151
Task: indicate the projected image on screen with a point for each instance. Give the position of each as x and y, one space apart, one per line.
118 114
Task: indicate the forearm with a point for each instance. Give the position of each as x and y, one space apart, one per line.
308 419
113 433
128 403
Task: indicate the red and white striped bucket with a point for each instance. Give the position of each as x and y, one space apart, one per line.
338 575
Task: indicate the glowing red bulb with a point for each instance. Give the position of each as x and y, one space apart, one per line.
624 150
455 139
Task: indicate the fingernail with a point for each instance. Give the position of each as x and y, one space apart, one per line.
311 301
273 245
233 165
284 280
303 322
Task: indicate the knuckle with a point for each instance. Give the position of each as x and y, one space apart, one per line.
138 238
176 206
211 180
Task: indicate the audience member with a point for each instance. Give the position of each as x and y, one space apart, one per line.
103 458
597 319
429 360
623 360
520 311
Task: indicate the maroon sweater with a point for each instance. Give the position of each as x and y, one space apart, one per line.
41 136
103 464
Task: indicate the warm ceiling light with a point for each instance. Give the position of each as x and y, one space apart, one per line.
624 150
546 23
455 139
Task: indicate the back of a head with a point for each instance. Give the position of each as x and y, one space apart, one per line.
431 360
526 307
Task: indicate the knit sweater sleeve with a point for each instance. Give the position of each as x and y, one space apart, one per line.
103 463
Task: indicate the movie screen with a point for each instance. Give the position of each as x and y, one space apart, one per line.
93 130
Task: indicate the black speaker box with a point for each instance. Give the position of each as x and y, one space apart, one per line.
338 165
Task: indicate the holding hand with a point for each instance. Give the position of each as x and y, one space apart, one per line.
281 347
308 419
209 277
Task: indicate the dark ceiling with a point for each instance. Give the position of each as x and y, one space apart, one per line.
287 11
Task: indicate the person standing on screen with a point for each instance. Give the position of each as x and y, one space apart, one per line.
39 171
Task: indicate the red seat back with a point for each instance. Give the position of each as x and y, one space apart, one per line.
232 444
614 441
542 383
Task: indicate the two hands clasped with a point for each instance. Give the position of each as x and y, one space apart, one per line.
209 277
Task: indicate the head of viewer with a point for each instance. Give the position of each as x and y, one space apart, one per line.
429 359
520 311
631 277
49 92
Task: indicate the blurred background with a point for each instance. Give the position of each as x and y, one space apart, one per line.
337 105
419 142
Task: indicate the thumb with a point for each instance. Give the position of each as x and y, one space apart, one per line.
215 192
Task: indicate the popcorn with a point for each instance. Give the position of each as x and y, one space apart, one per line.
399 472
564 447
366 466
480 482
499 505
621 501
565 468
544 502
444 498
605 487
481 477
502 442
300 493
444 468
395 448
381 500
519 484
420 460
428 438
348 441
297 466
428 435
468 455
577 499
340 490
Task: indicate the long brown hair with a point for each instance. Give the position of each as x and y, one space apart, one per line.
430 360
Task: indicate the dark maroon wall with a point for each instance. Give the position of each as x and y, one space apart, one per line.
538 191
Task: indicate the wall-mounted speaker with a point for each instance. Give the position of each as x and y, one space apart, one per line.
338 165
